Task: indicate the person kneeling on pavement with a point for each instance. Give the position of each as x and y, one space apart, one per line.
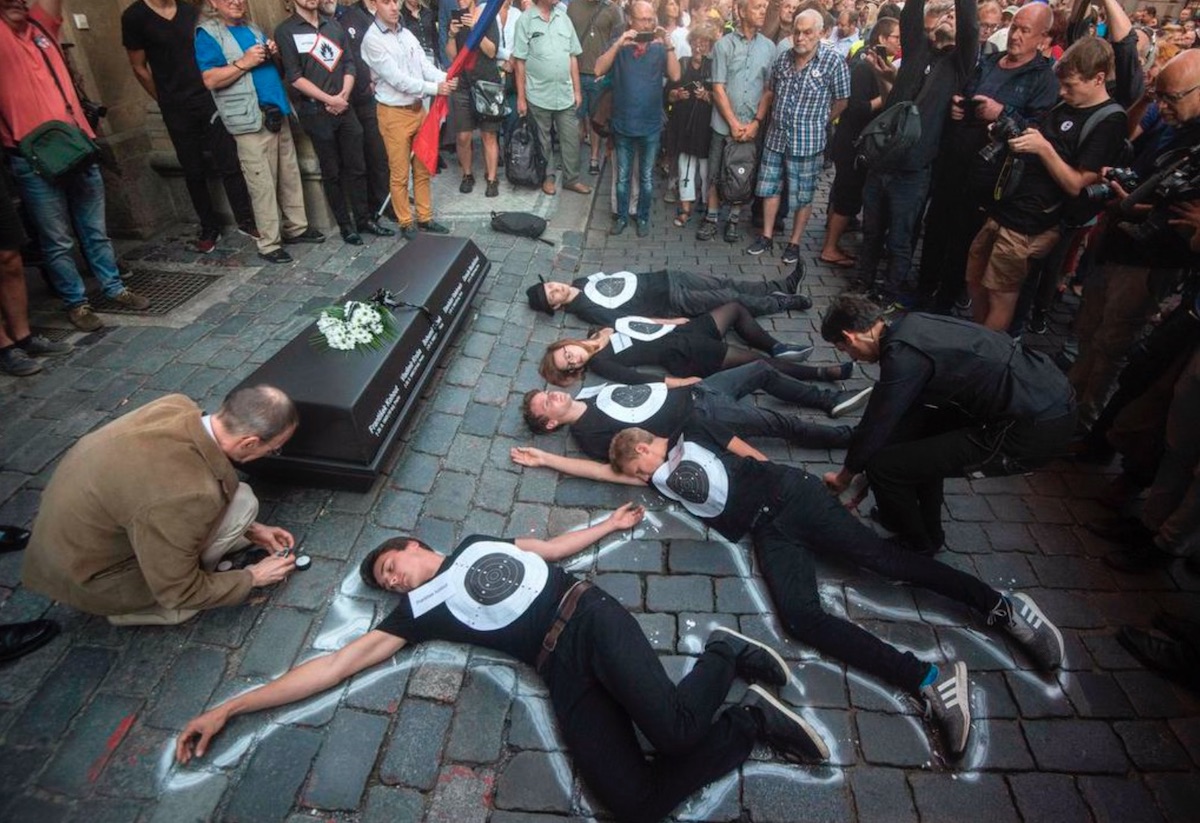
604 679
954 399
139 513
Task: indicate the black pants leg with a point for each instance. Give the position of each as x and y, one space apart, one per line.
604 678
748 420
759 375
354 171
202 144
809 519
322 128
374 155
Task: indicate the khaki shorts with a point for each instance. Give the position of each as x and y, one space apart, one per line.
999 257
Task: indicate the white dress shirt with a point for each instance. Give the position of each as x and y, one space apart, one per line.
402 72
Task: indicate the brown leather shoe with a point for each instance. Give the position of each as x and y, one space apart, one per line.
578 188
548 186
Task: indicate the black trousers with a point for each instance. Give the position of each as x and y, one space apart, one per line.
804 519
202 145
951 223
604 679
374 154
930 445
338 143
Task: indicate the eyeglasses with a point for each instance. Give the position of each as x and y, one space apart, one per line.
1174 97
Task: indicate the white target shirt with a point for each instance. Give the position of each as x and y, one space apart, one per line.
487 593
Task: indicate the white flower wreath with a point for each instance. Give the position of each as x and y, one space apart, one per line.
354 326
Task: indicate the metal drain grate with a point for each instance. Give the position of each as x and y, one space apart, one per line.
53 334
166 290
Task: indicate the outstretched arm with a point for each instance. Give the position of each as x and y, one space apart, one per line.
573 466
565 545
315 676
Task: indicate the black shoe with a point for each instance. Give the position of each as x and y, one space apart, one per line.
13 538
467 185
373 227
17 639
1128 531
1037 323
309 235
847 401
1167 657
782 729
277 256
796 277
732 232
1141 559
351 238
408 232
493 189
797 302
433 227
791 254
755 661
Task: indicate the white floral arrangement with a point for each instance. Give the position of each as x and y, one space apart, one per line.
354 326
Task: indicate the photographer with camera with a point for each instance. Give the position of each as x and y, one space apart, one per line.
1042 178
236 61
1142 253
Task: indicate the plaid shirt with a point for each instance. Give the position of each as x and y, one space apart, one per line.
800 112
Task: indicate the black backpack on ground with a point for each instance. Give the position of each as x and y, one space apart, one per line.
520 223
524 161
739 167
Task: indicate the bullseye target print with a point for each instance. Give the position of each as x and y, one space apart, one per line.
496 583
642 328
631 404
695 477
611 291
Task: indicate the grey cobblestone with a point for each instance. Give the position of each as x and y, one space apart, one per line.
339 775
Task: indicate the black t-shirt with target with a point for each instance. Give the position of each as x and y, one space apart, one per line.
603 298
1038 202
612 407
712 483
692 349
487 593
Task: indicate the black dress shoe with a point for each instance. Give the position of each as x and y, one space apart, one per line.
17 639
13 539
277 256
1163 656
373 227
309 235
351 238
408 232
433 227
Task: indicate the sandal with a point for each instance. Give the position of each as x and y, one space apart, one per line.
844 262
682 218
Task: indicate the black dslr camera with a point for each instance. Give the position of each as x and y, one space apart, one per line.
272 117
1004 129
1176 181
1102 192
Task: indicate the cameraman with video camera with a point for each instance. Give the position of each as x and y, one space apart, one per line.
1041 180
1150 238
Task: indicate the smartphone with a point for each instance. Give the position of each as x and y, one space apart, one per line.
881 52
457 14
644 37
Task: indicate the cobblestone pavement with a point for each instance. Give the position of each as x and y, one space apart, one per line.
448 733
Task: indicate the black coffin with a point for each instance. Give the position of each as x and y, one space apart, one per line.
353 406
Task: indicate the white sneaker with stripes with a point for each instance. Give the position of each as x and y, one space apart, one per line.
948 703
1033 630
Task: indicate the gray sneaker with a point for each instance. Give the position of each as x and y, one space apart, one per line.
948 703
782 729
1032 629
84 318
755 661
132 300
847 401
39 346
15 361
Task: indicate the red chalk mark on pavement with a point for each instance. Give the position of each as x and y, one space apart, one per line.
110 746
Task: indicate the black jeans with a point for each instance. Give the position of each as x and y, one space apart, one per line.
804 519
720 397
604 679
202 145
930 445
691 295
338 143
374 154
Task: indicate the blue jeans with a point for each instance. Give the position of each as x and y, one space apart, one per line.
893 202
54 208
646 149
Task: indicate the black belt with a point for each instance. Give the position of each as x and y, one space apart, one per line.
566 610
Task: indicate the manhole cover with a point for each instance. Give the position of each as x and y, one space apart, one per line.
166 290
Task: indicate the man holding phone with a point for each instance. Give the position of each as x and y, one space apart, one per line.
639 60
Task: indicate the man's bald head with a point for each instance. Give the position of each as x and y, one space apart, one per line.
1027 32
643 6
1178 88
1037 16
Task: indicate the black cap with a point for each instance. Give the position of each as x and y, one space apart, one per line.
537 297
